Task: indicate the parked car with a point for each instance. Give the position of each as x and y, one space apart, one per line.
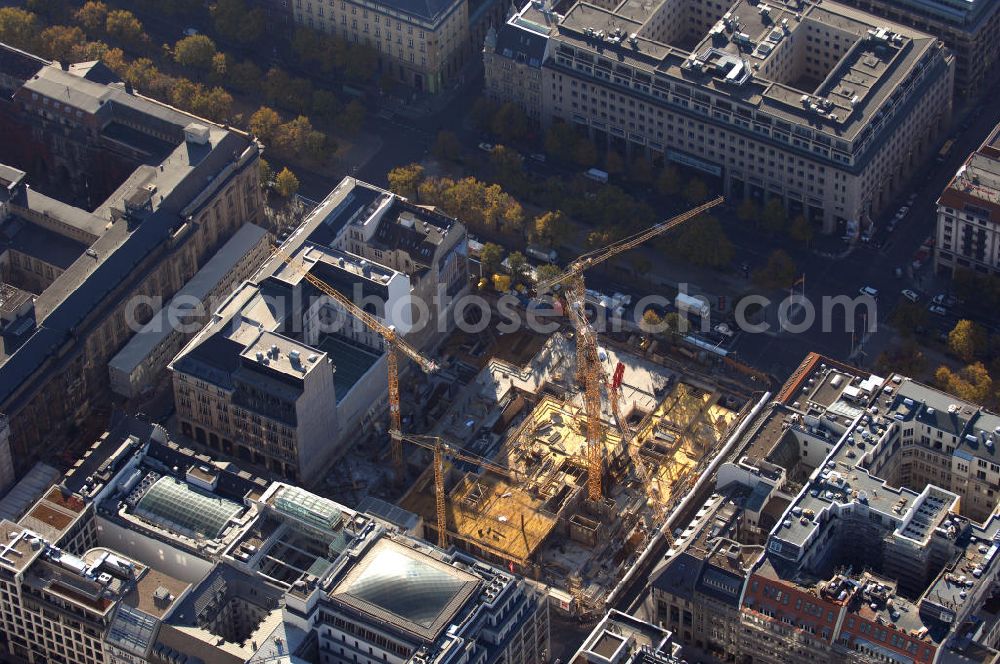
911 199
538 156
936 309
902 212
869 291
911 295
943 300
487 147
190 32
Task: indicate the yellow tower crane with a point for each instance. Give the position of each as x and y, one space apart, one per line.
394 345
440 448
588 363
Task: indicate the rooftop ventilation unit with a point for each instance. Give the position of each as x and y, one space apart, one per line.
196 133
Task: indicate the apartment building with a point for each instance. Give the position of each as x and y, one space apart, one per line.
826 108
140 364
421 44
968 227
128 197
970 29
513 57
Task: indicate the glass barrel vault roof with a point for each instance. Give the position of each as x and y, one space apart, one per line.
185 510
314 510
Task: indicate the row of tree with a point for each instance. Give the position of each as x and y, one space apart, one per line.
293 139
476 204
296 137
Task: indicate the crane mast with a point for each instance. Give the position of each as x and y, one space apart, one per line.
589 370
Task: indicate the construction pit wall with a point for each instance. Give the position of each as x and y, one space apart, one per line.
538 522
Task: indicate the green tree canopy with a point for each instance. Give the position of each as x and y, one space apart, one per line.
235 21
907 317
801 230
490 257
60 42
353 117
703 242
550 228
696 191
972 383
774 217
509 122
19 28
93 15
613 163
748 210
286 184
122 25
669 181
197 51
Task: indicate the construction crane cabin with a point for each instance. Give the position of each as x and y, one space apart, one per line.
394 345
589 370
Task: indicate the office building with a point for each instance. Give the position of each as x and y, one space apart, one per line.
108 195
970 29
695 591
281 374
968 212
826 108
150 552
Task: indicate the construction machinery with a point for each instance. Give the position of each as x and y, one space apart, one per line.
394 345
588 363
440 448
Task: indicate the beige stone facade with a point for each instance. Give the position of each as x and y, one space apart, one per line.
421 44
824 107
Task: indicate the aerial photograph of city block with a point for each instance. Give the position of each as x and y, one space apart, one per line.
500 331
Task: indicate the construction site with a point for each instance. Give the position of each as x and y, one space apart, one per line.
528 508
553 455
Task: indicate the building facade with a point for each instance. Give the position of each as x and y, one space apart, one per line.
421 44
401 262
968 227
159 189
970 29
826 108
142 361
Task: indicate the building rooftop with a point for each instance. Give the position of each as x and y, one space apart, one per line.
180 182
744 57
183 508
622 638
198 287
406 589
45 245
976 185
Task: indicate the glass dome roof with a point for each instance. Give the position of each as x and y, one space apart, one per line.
407 588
